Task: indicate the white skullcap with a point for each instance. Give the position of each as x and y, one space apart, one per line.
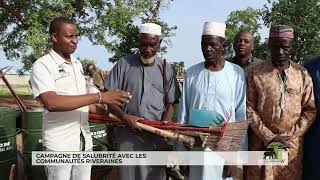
214 28
150 28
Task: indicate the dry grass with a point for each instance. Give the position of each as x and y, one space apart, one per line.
21 90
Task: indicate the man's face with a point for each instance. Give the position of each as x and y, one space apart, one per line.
66 38
244 44
91 70
281 49
212 47
149 45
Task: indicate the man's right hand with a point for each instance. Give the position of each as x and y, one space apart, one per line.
282 139
115 97
131 121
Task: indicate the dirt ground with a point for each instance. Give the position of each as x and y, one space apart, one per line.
11 102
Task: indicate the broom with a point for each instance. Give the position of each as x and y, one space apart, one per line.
228 137
232 138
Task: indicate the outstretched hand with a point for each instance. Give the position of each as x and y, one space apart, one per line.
115 97
131 121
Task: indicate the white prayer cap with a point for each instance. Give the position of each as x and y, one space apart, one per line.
214 28
150 28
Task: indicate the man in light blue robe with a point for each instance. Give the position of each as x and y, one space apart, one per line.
211 87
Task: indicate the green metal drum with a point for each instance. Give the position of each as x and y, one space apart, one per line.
32 140
8 151
100 138
32 131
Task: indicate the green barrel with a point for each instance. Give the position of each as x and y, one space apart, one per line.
32 140
8 151
100 140
32 129
99 136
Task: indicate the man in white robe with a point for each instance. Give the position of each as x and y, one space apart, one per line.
214 86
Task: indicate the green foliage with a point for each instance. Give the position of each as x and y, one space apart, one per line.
178 68
122 23
242 19
261 50
24 29
303 17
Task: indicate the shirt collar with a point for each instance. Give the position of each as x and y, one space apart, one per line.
60 60
248 62
290 64
286 71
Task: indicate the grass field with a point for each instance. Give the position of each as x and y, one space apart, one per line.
21 90
25 92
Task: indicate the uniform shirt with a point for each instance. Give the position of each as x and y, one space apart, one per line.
219 91
99 78
61 130
250 64
145 84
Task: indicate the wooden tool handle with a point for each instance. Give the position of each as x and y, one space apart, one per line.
20 103
167 134
163 133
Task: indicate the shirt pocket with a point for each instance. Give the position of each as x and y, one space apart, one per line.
62 73
64 82
293 91
293 98
157 95
61 77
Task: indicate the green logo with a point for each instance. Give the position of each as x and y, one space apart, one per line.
274 151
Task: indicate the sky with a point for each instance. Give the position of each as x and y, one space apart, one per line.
188 15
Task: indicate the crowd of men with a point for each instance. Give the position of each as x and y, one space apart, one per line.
277 95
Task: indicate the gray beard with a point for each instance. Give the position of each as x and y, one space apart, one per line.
148 61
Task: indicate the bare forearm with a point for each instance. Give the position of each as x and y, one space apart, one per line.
58 103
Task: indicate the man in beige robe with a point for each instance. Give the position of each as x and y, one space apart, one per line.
280 104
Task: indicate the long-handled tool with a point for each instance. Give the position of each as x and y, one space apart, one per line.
3 71
154 123
163 133
228 137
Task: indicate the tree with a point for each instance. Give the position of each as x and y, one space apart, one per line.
303 17
24 27
124 28
243 19
178 68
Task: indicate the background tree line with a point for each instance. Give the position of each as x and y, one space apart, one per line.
301 15
111 23
114 24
